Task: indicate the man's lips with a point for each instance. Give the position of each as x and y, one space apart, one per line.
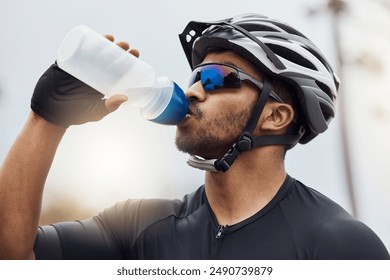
190 113
194 112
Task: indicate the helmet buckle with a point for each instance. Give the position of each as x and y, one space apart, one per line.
245 142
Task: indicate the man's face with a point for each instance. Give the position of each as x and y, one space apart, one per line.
217 118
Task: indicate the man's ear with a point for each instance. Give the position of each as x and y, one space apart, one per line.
276 118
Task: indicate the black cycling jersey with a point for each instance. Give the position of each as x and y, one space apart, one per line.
298 223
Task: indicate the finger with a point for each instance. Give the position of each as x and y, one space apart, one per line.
124 45
115 101
110 37
134 52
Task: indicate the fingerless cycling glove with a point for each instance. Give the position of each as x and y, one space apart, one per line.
64 100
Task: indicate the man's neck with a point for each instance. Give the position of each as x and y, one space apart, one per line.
246 187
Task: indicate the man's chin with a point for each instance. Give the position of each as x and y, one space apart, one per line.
197 151
192 144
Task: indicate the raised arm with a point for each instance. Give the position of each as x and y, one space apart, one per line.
59 100
25 168
22 177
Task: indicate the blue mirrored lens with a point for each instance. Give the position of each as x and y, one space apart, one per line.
212 77
216 76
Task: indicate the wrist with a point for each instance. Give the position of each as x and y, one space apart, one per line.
39 121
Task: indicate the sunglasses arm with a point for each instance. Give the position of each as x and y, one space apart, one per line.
260 85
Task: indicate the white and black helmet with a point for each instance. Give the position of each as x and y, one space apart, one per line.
279 51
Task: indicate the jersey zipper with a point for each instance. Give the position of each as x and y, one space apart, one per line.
221 230
220 234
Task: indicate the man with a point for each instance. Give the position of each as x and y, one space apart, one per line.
258 88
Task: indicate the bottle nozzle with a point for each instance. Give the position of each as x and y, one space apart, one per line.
176 109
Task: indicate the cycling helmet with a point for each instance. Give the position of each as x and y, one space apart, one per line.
280 52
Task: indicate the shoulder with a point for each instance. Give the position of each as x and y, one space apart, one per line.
322 229
155 208
131 217
348 239
306 206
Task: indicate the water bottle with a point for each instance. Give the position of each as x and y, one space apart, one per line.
101 64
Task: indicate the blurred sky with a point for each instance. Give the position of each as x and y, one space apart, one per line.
124 156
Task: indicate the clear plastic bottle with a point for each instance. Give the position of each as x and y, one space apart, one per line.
101 64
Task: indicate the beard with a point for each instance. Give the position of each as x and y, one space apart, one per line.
211 135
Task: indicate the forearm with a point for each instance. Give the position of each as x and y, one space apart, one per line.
22 177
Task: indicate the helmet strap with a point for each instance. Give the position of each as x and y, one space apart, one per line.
247 141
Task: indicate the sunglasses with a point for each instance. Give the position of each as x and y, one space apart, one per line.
214 76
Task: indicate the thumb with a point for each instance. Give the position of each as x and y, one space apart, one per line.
113 102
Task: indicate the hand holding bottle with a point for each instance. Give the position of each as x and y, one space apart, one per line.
89 68
109 69
64 100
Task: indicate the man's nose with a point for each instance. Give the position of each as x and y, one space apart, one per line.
196 93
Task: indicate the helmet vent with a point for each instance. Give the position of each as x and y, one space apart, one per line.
291 56
190 36
276 37
319 57
289 29
324 88
257 27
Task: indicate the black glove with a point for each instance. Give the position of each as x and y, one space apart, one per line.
64 100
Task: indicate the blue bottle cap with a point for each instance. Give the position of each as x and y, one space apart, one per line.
176 110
